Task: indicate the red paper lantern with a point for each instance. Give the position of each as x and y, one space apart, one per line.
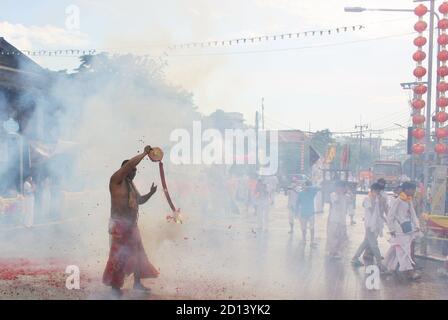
442 86
419 72
442 71
418 133
442 39
441 133
442 55
418 104
420 26
418 148
420 41
441 116
420 10
421 89
442 102
443 8
418 119
443 24
441 148
419 56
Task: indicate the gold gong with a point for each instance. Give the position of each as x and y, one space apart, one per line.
156 154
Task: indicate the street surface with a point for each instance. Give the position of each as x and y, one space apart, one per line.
210 258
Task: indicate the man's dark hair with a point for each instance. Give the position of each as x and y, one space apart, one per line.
376 187
408 185
124 162
381 181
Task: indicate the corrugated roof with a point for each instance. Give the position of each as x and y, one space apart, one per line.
11 57
291 136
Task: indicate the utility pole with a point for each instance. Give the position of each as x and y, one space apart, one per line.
256 140
361 128
429 97
262 113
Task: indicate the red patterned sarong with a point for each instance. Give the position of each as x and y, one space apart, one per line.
126 255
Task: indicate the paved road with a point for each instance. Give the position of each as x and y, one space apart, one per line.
225 258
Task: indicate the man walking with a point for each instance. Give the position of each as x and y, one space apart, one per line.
374 223
306 211
404 228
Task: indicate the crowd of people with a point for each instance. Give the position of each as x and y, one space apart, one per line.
398 213
400 217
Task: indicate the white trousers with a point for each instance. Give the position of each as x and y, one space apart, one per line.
28 211
399 253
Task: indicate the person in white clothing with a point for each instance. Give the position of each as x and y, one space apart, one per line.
28 201
374 223
292 199
262 205
336 226
404 228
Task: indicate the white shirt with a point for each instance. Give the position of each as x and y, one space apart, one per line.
339 205
28 189
399 212
372 215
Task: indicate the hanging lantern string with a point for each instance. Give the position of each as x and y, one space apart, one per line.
418 104
442 71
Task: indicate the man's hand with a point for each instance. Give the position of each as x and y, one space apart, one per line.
153 189
148 149
146 197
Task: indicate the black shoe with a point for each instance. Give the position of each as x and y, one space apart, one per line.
140 287
356 262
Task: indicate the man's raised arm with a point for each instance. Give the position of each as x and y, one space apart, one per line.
121 173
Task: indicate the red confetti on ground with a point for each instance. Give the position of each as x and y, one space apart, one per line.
51 271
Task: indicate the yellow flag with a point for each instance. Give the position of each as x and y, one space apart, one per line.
331 154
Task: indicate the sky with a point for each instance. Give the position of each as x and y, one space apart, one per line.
334 81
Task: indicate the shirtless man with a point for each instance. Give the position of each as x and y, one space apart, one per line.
127 254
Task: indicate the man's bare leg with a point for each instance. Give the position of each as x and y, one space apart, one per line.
138 283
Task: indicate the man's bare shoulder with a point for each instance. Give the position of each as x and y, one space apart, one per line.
114 184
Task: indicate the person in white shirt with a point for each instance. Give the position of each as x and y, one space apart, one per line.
262 205
374 223
336 226
404 228
28 201
352 207
384 206
292 199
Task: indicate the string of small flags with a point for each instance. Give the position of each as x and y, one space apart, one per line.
257 39
50 53
204 44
